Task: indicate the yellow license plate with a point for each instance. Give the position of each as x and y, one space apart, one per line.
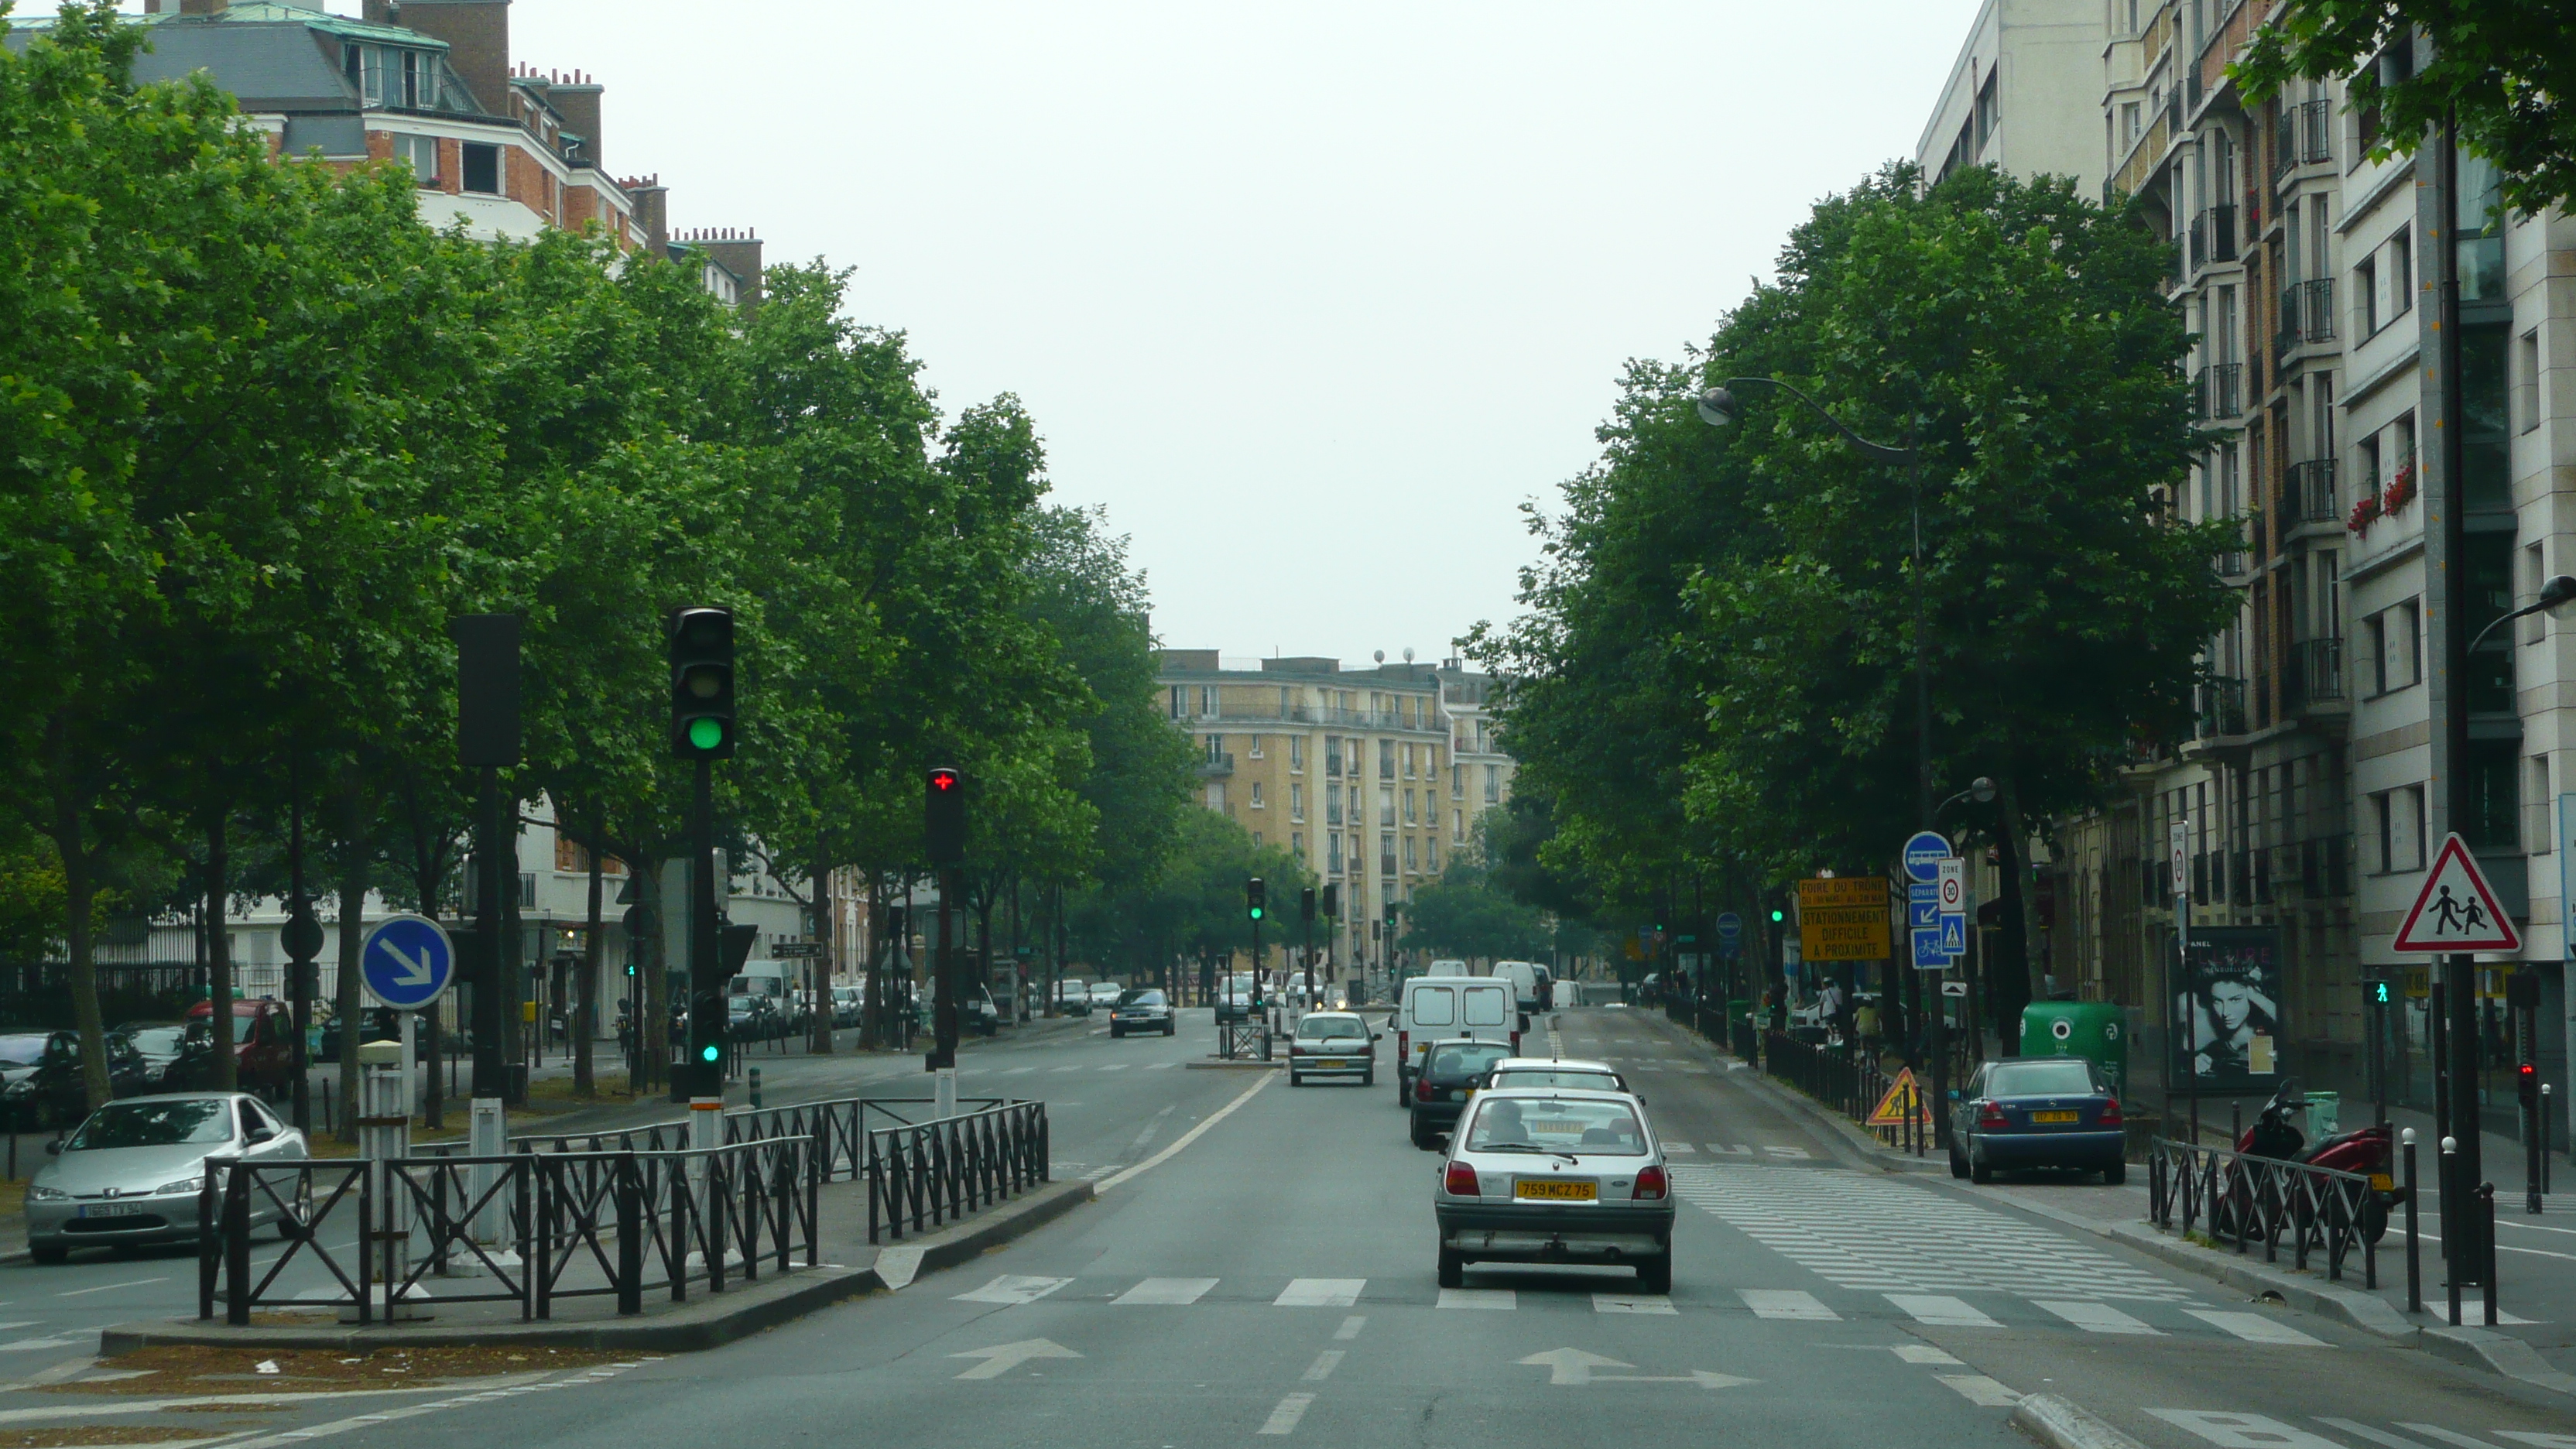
2381 1182
1553 1191
2054 1117
1332 1062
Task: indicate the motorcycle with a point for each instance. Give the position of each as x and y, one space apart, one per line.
2364 1152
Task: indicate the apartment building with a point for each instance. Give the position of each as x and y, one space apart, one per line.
2025 65
2309 789
1361 774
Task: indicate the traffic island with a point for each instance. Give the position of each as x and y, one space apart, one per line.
591 1324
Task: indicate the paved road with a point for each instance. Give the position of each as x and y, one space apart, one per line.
1272 1279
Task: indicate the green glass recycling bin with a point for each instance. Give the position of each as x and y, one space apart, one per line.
2096 1030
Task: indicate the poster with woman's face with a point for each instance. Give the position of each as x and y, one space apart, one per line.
2227 1011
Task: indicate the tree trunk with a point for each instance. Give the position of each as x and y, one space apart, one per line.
219 954
346 1002
594 955
818 968
80 892
2010 968
653 1009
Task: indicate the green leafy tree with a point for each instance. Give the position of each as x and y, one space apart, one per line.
2503 70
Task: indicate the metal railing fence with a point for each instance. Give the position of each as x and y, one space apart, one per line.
2240 1198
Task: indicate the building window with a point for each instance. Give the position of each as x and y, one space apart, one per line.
1332 755
2128 125
1332 805
1216 749
2401 273
1458 825
1493 784
1431 851
1457 782
1180 700
1409 817
1408 762
1256 795
1411 865
2399 817
1386 805
1256 747
1297 753
2495 795
2526 383
1256 840
1990 114
1333 854
481 167
1296 801
1216 795
1356 818
1386 759
1297 844
2534 627
2365 297
1207 701
1386 853
1355 854
420 153
2394 647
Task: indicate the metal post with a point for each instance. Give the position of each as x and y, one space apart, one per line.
2450 1165
2461 985
384 1136
489 1065
943 1014
2485 1215
2414 1226
303 942
2546 1131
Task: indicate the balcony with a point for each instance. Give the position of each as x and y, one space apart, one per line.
2309 496
2222 390
2307 313
1216 766
2301 137
2218 707
2213 236
2316 674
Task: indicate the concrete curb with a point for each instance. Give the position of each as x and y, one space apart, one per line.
705 1322
2059 1424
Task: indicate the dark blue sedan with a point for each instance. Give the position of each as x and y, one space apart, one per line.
2037 1112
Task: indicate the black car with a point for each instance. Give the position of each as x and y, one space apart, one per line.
1143 1009
376 1023
2037 1112
1450 1074
56 1093
161 1043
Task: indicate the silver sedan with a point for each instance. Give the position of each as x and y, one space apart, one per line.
1555 1175
131 1173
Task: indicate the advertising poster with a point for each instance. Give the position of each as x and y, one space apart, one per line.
2228 1009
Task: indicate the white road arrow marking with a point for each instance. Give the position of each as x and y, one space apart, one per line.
415 970
1001 1358
1574 1366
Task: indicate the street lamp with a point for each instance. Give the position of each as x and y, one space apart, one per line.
1981 790
2552 594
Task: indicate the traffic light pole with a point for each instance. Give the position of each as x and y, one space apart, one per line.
706 993
488 1067
943 1005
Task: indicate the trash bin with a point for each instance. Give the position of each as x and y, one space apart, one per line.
2325 1114
2094 1030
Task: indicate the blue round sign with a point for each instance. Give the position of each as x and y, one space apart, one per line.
1924 853
1730 927
407 962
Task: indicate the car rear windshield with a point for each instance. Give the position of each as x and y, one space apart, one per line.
153 1124
1505 1123
165 1040
2033 1079
1321 1026
1589 1081
21 1051
1141 998
1434 1006
1467 1059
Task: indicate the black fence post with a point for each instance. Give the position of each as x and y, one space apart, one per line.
237 1244
630 1236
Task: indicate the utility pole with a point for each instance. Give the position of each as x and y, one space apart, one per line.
944 832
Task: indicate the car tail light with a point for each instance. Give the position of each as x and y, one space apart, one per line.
1516 1043
1990 1115
1459 1181
1650 1183
1403 1046
2111 1113
1422 1088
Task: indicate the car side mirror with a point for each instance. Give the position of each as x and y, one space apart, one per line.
257 1135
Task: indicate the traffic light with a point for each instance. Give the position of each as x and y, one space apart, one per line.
1333 899
2526 1085
1778 915
2380 995
1256 898
702 684
943 821
1306 904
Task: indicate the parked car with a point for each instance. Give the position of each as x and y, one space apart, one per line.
849 1005
1332 1044
2037 1112
1553 1072
1143 1009
375 1023
1559 1176
1451 1072
56 1093
1073 998
750 1017
1234 997
1439 1008
131 1173
263 1048
19 1054
160 1043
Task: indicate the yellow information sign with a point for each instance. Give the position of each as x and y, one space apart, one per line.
1843 919
1903 1099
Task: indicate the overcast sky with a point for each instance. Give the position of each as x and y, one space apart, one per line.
1311 296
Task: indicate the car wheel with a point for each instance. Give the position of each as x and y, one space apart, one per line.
1424 1137
1655 1275
1115 1033
1978 1171
1958 1162
49 1253
1453 1268
1295 1080
1170 1027
1368 1079
2115 1174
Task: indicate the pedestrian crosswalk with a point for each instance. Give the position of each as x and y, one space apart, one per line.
1988 1310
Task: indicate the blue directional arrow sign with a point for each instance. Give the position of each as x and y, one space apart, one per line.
1922 913
407 962
1921 853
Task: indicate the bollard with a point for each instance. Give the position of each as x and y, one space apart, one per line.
944 1092
2414 1225
487 1136
384 1135
755 1086
2485 1215
2450 1250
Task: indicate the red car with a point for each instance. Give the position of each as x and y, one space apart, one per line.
263 1046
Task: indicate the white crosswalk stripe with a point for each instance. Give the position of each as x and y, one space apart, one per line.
1622 1303
1013 1288
1167 1291
1978 1389
1942 1311
1891 1236
1320 1293
2253 1327
2093 1317
1786 1303
1479 1298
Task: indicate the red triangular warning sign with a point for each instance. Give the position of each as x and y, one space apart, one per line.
1903 1100
2456 911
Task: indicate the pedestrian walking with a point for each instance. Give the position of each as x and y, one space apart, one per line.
1866 1020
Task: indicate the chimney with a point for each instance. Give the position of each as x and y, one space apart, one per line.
477 33
576 99
198 7
741 256
653 213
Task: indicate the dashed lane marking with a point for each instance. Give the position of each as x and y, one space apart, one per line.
1941 1311
1485 1298
1320 1293
1166 1292
1980 1390
1283 1419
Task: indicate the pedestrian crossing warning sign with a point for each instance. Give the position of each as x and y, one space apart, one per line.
1903 1099
2456 911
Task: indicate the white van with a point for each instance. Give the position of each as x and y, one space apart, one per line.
1523 975
761 978
1446 1008
1449 967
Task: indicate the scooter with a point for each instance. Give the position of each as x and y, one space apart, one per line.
2366 1152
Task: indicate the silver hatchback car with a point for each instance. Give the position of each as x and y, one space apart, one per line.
130 1174
1555 1175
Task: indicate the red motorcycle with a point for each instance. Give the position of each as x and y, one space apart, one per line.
2364 1152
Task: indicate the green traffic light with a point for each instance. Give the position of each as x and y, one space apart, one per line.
1775 917
709 1053
705 734
1256 913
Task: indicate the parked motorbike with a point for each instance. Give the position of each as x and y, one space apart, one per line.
2366 1152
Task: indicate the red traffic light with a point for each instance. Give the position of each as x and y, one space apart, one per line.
943 780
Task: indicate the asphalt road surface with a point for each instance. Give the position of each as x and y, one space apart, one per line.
1271 1280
